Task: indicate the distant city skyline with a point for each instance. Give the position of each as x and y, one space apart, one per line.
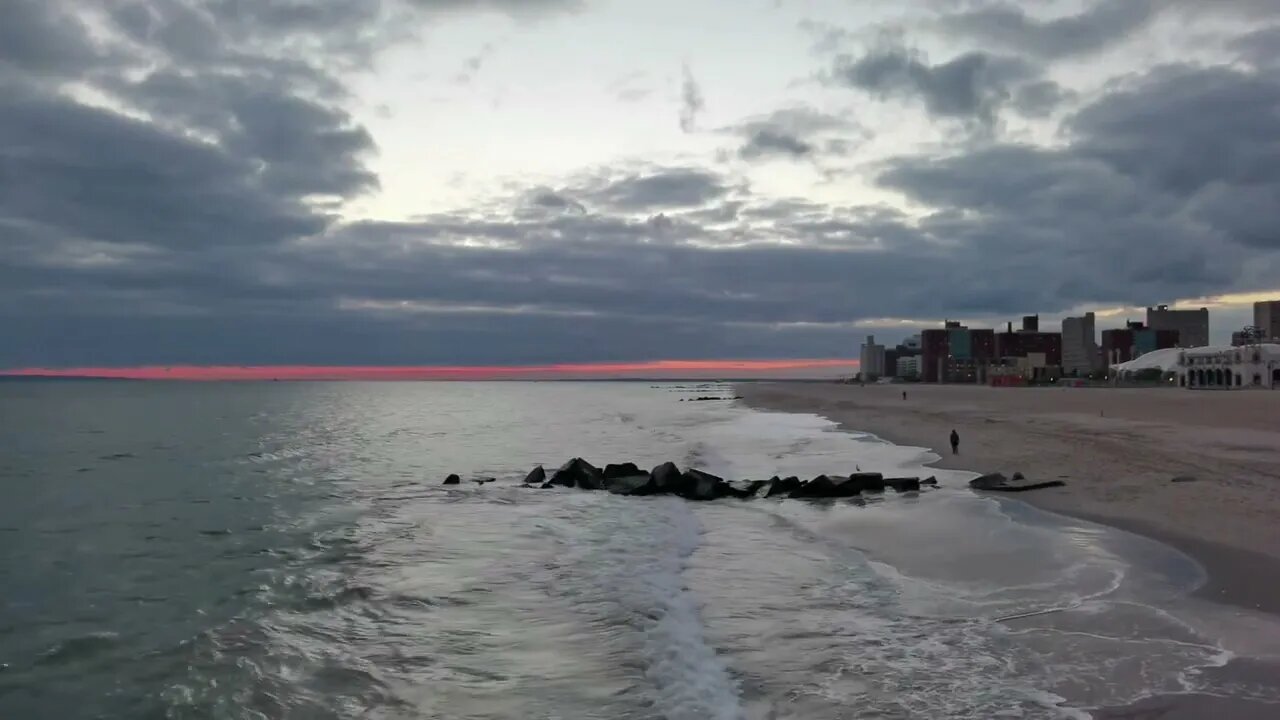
540 182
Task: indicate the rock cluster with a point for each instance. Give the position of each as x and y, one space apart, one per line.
691 484
995 482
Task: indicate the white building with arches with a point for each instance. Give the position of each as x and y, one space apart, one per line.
1214 367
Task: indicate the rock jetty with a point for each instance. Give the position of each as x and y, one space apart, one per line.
693 484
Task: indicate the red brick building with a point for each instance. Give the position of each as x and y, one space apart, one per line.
956 354
1021 343
1135 340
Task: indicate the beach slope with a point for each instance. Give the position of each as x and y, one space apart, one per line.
1118 450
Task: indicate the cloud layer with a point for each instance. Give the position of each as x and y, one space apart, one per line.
174 179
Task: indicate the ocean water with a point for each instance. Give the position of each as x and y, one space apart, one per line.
286 550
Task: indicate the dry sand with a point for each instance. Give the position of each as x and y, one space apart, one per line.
1118 451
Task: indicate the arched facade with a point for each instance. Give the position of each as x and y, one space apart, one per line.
1229 368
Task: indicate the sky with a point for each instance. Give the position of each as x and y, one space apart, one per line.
502 183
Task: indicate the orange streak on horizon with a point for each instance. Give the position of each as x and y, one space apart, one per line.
426 372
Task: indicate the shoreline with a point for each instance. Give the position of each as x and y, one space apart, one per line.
1118 451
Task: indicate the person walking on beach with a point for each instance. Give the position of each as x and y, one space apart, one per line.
955 443
904 394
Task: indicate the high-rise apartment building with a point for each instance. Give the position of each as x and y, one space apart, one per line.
1192 325
1266 316
872 359
1079 345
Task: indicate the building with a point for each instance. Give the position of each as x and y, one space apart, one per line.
1079 345
908 367
1266 317
1213 367
1133 341
1192 326
872 360
1034 367
956 354
908 348
1013 344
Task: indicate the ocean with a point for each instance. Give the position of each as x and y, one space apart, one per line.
287 550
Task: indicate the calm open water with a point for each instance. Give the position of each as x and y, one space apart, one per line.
285 550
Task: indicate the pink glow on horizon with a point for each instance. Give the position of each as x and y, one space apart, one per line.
656 369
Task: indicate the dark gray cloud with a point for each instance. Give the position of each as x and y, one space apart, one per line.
1183 128
45 39
95 175
1010 26
1260 48
972 87
691 101
659 189
796 133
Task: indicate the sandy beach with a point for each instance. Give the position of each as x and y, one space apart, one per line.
1118 450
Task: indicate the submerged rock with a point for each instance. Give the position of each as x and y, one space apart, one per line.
786 487
986 482
621 470
828 486
578 473
1184 479
641 484
483 480
667 478
453 480
904 484
702 486
995 482
868 481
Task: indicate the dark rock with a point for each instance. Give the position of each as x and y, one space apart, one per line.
868 482
1184 479
536 476
821 486
667 478
621 470
930 481
986 482
453 480
904 484
482 481
785 487
640 484
546 486
1017 476
828 486
578 473
995 482
702 486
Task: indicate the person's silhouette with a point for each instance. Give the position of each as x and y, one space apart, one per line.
955 443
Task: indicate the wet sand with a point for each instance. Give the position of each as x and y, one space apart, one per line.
1118 451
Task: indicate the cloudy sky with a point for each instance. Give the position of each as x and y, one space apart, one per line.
505 182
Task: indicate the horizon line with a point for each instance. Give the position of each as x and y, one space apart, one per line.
430 372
